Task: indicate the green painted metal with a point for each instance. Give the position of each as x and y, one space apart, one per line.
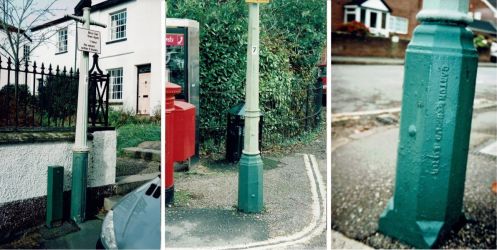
437 105
79 182
250 184
55 190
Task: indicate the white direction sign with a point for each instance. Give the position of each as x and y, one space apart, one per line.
89 40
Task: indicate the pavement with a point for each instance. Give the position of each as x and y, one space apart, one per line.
363 171
294 214
373 87
382 61
66 236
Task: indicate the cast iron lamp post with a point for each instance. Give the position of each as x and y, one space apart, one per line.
250 178
437 104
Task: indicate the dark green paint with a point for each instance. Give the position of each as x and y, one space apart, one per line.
250 184
78 188
437 106
55 190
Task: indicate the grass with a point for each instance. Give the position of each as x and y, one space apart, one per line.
130 135
181 198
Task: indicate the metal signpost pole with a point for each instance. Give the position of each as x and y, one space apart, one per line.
250 178
80 149
437 104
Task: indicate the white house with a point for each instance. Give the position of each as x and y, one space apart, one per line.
131 48
376 15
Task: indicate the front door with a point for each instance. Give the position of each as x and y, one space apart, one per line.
144 90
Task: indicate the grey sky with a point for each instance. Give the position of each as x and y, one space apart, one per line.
61 8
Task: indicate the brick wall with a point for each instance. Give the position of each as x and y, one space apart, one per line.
408 9
353 46
348 45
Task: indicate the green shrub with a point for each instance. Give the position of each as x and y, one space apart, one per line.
118 118
292 37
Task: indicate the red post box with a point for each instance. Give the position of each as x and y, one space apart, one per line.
184 130
171 91
180 135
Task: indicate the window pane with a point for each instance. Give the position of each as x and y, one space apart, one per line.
372 20
116 82
118 25
350 17
383 20
363 15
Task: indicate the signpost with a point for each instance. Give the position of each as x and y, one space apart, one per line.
88 40
250 177
80 149
437 104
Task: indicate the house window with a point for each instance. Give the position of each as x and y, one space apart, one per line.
349 14
116 83
363 15
383 20
398 24
26 49
372 19
118 25
62 40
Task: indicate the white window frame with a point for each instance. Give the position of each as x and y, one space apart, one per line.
394 26
62 40
25 52
114 77
113 26
350 10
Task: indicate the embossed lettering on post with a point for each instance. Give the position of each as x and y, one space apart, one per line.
439 120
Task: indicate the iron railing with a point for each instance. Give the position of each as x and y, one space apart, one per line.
41 97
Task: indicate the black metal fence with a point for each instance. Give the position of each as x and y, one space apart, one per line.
42 97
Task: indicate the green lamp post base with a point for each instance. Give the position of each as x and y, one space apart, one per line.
250 184
421 234
79 183
435 125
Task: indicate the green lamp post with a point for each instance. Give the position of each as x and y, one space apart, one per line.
80 149
437 104
250 178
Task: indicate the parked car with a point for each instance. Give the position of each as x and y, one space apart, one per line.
322 78
134 222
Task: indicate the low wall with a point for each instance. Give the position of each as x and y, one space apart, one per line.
354 46
349 45
24 160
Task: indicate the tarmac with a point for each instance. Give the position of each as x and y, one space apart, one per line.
363 172
294 214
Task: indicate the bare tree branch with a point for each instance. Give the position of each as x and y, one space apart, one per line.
17 19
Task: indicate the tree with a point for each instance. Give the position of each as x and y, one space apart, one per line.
17 18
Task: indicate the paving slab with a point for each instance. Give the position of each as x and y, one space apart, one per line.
85 238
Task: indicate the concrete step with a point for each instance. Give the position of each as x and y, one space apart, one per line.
109 202
142 153
131 166
126 184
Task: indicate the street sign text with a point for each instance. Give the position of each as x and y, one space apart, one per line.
89 40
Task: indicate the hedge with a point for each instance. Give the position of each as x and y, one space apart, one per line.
293 34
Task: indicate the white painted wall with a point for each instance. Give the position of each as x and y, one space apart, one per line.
24 166
143 46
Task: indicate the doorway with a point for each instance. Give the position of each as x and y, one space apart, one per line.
143 98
